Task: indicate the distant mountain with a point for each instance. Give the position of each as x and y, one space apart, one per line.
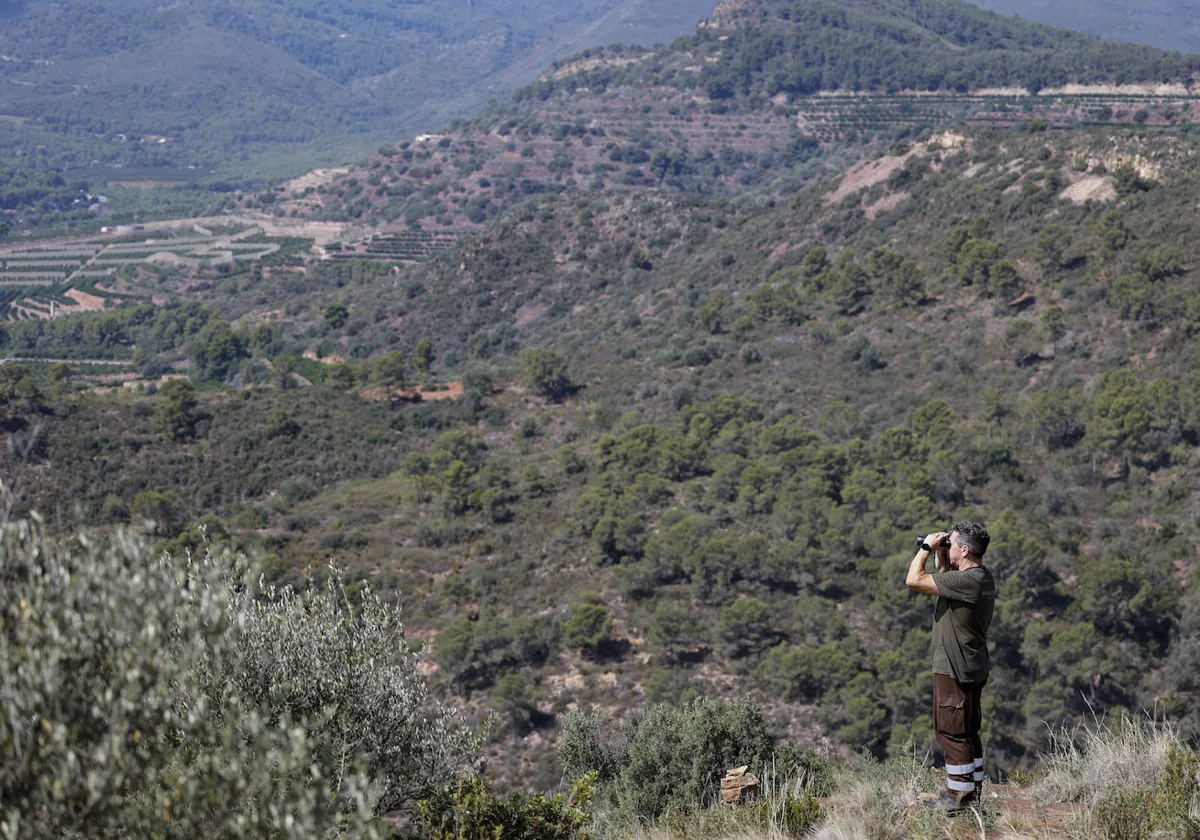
762 89
1169 24
219 78
803 46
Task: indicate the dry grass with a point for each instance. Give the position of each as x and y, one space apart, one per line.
874 801
717 822
1092 758
711 825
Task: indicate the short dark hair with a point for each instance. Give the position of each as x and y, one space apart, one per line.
972 535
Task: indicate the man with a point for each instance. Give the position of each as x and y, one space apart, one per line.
966 596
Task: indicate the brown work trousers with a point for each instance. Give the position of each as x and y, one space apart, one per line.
957 717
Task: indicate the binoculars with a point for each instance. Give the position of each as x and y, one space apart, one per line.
945 543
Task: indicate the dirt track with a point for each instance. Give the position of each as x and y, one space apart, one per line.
120 362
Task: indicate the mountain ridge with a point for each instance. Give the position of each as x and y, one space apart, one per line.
1167 24
765 96
105 54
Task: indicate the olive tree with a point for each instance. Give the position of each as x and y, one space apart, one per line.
159 696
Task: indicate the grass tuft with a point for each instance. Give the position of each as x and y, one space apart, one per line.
1087 761
873 797
786 810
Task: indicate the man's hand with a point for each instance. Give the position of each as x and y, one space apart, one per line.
942 558
918 579
934 540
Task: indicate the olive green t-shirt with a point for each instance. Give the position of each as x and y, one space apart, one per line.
960 623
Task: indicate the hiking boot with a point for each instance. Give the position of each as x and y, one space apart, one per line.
949 804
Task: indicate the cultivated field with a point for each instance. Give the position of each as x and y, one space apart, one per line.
46 279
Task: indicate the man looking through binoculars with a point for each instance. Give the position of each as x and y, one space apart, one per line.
966 596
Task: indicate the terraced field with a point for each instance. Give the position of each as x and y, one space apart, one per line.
830 117
47 279
675 139
408 246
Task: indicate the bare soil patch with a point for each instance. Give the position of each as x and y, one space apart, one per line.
886 204
867 174
1090 188
87 302
785 247
448 391
950 140
587 65
315 178
1016 815
445 391
131 382
529 313
1156 90
328 359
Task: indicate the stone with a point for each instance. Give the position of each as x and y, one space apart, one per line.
738 786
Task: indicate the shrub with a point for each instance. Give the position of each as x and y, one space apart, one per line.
569 460
176 414
746 628
671 686
545 373
674 629
667 757
468 810
1122 813
1086 762
161 697
477 651
588 627
806 673
792 816
1172 808
511 700
873 797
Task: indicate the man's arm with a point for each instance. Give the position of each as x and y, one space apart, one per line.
918 579
942 558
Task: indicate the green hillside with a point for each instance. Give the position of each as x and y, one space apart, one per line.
239 94
803 46
760 409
